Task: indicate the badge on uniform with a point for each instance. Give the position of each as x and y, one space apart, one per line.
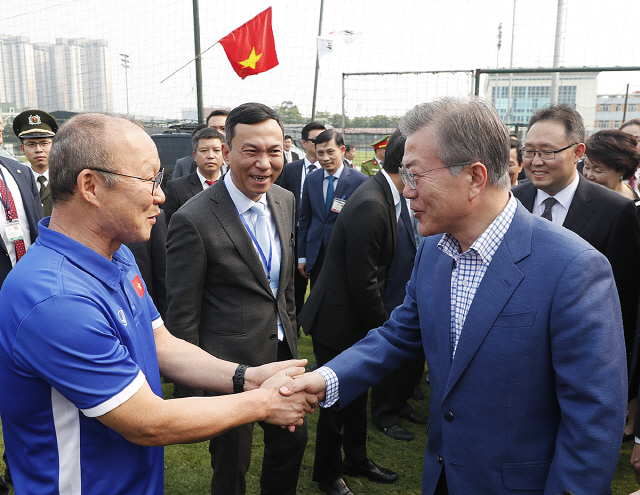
14 231
137 285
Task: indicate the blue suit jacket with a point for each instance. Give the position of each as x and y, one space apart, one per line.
314 228
534 401
31 202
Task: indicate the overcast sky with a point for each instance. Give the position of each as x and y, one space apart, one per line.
405 35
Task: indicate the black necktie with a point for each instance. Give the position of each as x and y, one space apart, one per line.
548 204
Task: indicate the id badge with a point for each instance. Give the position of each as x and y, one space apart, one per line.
14 231
337 205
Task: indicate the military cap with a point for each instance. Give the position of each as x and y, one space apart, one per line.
34 124
381 143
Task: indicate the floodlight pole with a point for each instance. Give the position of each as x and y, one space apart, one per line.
558 50
125 64
196 42
315 82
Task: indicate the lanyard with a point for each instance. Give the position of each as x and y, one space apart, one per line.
7 210
266 262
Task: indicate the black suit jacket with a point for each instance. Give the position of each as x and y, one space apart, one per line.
294 157
218 294
184 166
30 200
290 179
347 300
609 222
178 191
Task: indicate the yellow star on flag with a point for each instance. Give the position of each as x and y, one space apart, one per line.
251 61
139 286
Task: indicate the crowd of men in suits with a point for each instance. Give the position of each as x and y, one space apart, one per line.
523 297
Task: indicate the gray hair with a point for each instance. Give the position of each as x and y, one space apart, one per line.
79 144
466 129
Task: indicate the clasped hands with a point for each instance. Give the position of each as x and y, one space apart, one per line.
294 393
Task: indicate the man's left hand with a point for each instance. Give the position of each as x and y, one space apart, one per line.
635 460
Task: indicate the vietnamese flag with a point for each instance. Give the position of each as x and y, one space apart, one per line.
137 285
251 48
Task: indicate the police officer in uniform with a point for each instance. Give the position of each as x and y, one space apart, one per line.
36 129
372 166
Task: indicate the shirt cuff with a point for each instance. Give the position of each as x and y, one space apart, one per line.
332 393
637 440
302 260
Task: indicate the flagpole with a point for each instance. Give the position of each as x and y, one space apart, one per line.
196 42
315 82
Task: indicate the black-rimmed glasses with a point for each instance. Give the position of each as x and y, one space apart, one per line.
156 182
545 155
409 177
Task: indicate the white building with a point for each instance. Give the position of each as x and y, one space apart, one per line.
611 111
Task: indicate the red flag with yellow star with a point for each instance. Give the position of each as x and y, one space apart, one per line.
251 48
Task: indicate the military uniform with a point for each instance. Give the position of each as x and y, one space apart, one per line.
372 166
36 124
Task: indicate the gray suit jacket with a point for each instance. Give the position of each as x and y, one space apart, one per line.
217 292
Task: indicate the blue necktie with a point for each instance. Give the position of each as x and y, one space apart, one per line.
329 198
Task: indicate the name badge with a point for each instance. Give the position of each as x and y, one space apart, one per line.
14 231
337 205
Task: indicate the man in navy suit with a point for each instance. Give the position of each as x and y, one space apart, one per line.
325 193
292 179
518 318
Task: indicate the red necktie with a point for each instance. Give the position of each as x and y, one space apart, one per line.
12 215
210 182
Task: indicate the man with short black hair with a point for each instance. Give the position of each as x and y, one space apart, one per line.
230 265
207 153
292 179
217 119
289 156
515 162
325 193
349 155
605 219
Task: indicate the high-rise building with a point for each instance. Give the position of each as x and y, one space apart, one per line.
18 71
70 75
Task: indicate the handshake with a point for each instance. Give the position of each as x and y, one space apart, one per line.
292 392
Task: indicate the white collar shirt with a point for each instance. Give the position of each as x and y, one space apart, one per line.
563 201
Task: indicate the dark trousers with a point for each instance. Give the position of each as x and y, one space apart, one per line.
283 452
346 429
300 290
389 397
317 266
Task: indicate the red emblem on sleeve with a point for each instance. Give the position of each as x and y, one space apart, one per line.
137 285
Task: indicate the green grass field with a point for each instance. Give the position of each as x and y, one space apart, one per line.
187 469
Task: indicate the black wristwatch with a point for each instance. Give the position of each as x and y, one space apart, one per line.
238 378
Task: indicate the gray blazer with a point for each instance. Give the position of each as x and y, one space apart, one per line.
217 292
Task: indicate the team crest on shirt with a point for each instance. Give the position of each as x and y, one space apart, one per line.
137 285
121 317
35 120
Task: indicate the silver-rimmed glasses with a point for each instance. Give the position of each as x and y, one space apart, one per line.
156 181
409 177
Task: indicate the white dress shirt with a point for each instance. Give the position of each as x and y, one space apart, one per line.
22 217
563 202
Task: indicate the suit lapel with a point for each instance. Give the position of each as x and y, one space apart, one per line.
391 208
343 182
527 195
283 226
227 214
580 210
498 285
195 186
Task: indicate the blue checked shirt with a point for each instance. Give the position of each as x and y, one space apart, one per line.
469 268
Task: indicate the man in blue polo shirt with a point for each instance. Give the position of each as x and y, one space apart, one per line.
81 342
